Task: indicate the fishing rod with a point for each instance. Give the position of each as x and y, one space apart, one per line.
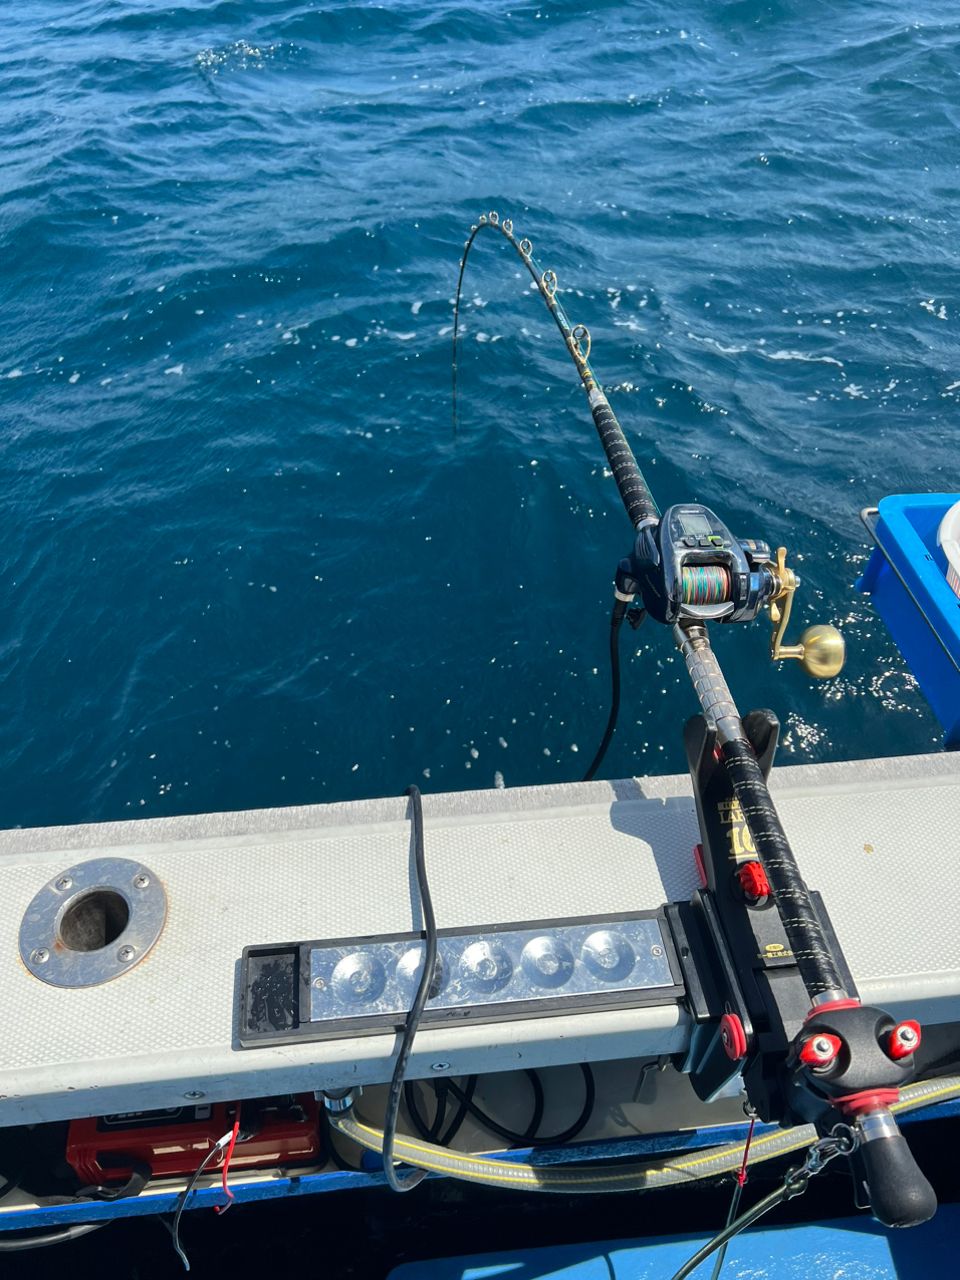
789 1019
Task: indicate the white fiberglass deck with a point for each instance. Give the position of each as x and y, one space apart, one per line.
877 838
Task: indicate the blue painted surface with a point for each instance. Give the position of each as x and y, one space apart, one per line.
848 1249
907 532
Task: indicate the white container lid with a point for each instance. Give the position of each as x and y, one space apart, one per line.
948 537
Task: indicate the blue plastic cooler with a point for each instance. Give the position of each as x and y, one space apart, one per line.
907 578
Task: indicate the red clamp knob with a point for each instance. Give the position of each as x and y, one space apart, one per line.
753 880
820 1050
733 1037
904 1039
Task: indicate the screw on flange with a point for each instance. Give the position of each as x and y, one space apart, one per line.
319 984
141 881
126 954
193 1095
439 1066
63 883
40 956
656 951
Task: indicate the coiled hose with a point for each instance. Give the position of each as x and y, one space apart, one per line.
616 1177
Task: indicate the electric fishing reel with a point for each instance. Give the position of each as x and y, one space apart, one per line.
688 567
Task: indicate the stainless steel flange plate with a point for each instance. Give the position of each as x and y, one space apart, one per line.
92 922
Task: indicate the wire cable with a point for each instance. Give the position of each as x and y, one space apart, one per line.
215 1151
737 1195
413 1017
515 1138
722 1238
461 1113
228 1156
583 1119
616 624
429 1132
50 1237
464 1095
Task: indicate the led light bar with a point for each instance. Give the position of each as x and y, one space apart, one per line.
323 989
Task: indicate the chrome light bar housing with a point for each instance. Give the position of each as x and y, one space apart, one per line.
356 986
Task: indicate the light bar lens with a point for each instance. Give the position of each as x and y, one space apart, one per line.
477 970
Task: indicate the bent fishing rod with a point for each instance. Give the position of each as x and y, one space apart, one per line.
788 1017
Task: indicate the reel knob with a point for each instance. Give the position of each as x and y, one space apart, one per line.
824 652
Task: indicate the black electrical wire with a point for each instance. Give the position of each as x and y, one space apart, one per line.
428 1132
582 1120
734 1228
508 1135
413 1017
185 1194
529 1136
60 1236
461 1113
616 623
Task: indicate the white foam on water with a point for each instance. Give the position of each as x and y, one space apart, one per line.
930 304
350 342
174 368
717 346
415 309
801 355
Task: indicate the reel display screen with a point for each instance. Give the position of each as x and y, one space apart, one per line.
695 522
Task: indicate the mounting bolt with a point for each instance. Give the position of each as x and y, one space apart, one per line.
904 1039
40 956
318 984
63 883
193 1095
656 951
126 954
820 1051
439 1066
141 881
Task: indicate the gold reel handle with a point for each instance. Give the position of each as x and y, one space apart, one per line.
822 649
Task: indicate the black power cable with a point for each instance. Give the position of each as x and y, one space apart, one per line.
516 1139
634 615
527 1138
413 1017
60 1236
216 1150
616 622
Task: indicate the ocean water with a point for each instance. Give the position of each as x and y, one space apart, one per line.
243 561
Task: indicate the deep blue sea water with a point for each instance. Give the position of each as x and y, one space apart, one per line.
242 560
